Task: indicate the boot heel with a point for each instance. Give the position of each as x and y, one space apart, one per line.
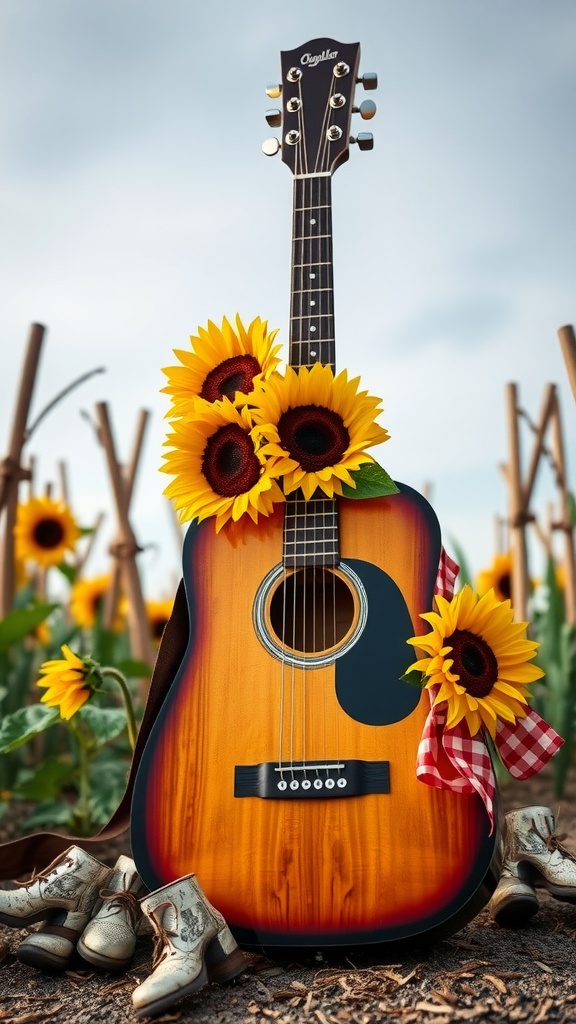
223 959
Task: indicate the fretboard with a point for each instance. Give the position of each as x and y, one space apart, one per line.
310 532
312 293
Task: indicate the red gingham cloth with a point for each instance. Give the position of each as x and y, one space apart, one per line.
452 759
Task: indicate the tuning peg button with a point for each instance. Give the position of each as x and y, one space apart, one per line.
364 140
274 91
274 118
367 109
270 146
369 80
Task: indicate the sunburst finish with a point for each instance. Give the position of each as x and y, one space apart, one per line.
366 868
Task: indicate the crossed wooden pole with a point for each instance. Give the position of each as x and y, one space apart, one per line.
520 494
125 547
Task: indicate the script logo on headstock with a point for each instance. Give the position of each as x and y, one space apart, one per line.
312 61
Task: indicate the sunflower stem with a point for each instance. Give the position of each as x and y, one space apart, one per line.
117 676
82 810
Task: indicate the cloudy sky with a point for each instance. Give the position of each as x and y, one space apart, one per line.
136 203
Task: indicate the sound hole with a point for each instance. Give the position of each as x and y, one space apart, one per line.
312 610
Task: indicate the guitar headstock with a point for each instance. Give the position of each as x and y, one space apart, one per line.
317 90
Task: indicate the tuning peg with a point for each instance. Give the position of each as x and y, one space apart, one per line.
367 109
273 91
364 140
270 146
369 80
274 118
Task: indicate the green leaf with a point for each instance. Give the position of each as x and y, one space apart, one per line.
50 812
134 669
17 624
371 482
68 571
414 677
45 782
20 726
107 784
105 724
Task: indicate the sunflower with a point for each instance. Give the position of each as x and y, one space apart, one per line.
158 613
87 601
315 427
69 682
497 578
217 467
45 530
222 361
479 658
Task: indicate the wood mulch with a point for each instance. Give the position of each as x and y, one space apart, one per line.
482 973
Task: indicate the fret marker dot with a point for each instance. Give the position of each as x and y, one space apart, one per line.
312 302
312 329
312 276
312 221
313 354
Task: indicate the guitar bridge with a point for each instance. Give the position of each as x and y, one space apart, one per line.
311 780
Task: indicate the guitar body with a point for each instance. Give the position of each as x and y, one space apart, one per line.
377 857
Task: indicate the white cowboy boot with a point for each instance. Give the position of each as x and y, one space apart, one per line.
532 844
193 946
70 883
513 901
109 938
51 947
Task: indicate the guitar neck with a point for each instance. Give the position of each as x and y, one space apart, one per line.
311 535
312 288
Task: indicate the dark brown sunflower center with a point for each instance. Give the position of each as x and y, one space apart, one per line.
231 375
230 464
313 435
474 661
48 533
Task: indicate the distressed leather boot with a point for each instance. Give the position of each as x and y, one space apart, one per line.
532 844
193 946
70 883
109 938
513 901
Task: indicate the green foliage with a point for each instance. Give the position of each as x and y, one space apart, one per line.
371 482
19 623
19 727
72 772
556 694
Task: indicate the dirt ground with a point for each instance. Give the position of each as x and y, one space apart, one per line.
481 973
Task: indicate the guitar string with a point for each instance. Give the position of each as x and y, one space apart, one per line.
300 155
309 203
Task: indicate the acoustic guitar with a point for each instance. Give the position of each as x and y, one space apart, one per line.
281 766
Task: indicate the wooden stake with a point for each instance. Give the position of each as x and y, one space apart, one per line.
11 469
128 478
127 548
569 553
518 517
568 346
547 409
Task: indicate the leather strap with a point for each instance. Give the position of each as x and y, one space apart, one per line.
29 853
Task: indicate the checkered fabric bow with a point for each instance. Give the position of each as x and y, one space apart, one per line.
452 759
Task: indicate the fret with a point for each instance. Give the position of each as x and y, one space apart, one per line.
311 535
